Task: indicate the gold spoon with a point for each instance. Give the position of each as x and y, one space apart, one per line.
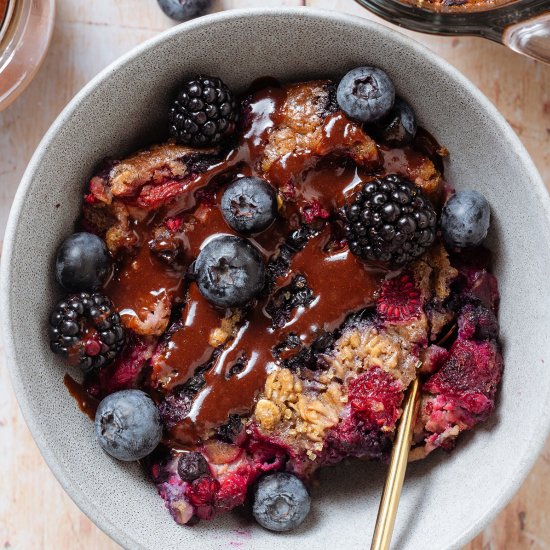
398 464
396 474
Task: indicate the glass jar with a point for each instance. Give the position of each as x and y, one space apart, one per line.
522 25
25 31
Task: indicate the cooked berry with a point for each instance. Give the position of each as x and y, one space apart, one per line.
399 299
281 502
249 205
231 429
468 380
183 10
465 219
295 241
375 397
398 127
127 425
203 113
83 263
313 210
202 492
229 271
389 221
285 300
232 491
175 407
87 330
366 94
192 466
477 322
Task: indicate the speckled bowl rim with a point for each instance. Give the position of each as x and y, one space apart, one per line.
98 516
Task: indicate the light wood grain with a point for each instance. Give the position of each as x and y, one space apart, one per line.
35 513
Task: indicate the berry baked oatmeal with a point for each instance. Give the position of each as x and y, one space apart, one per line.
458 6
250 300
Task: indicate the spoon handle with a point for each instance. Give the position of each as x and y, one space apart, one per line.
530 37
398 465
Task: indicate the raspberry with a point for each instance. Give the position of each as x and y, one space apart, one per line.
433 358
174 224
205 511
232 490
470 376
124 372
399 299
267 457
313 210
202 491
375 397
154 196
482 286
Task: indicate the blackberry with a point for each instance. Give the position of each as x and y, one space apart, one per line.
86 330
389 221
203 113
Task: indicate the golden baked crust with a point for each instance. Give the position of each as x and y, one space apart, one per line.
303 128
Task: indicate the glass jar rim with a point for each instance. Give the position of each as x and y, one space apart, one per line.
488 23
23 46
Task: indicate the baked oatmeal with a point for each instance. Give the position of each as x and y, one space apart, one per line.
250 300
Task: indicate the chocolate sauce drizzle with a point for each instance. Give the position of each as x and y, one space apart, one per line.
340 284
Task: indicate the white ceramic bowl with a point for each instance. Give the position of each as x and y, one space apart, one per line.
448 498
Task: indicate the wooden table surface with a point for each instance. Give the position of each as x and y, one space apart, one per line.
35 513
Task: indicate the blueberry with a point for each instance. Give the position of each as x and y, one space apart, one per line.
465 219
398 128
229 271
366 94
83 263
192 466
127 425
281 502
183 10
249 205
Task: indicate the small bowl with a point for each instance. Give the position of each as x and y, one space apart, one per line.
25 32
448 498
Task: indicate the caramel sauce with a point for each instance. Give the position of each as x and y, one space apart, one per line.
341 284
